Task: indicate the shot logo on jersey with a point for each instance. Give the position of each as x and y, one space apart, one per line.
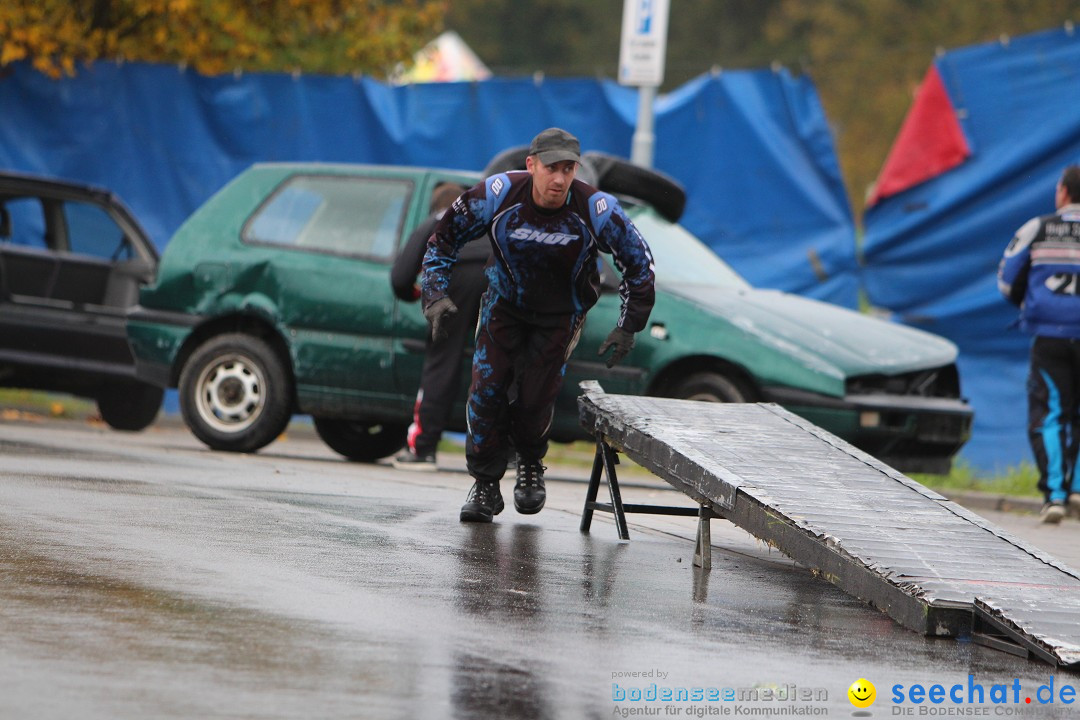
546 238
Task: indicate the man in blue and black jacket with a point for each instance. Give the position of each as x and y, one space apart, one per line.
1040 273
546 229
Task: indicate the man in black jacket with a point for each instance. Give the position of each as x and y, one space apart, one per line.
441 375
546 229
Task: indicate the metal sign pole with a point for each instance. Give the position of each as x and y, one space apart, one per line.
641 64
644 140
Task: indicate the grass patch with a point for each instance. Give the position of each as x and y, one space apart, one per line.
1021 480
578 454
575 454
36 402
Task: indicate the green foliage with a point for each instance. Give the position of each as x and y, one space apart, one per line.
569 37
866 57
216 36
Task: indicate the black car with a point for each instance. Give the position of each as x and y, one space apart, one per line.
72 258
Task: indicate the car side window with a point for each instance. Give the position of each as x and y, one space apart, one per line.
340 215
93 232
25 223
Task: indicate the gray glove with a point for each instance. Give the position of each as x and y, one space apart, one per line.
437 314
619 339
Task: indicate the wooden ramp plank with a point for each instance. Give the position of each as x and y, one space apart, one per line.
864 526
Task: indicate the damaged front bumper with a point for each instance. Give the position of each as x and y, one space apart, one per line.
914 434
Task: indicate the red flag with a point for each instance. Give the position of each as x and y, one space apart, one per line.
929 143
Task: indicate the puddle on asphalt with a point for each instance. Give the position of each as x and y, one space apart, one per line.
181 655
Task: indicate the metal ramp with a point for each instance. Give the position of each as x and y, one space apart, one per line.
928 563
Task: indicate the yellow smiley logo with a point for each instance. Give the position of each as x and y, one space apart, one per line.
862 693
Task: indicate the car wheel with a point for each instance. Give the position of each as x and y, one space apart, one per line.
712 387
361 441
621 177
129 406
235 393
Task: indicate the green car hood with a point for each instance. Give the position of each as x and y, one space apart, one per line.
828 338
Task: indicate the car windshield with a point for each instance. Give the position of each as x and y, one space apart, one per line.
682 259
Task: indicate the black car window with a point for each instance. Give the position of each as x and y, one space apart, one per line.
92 231
348 216
26 223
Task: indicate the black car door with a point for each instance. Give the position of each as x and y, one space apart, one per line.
56 256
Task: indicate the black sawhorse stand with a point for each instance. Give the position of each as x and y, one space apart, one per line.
604 463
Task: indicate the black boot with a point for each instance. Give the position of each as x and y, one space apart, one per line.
484 502
529 492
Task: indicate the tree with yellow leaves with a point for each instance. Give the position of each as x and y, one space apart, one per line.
217 36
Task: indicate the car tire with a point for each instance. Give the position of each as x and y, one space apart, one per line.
509 159
130 406
361 441
621 177
514 159
712 387
235 393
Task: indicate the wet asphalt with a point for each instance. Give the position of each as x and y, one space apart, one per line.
144 576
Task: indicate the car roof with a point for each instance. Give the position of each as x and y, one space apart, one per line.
17 181
315 167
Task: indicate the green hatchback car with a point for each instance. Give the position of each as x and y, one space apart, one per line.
274 298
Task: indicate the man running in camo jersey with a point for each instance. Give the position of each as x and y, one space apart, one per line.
546 229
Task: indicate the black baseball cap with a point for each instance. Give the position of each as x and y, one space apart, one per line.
555 145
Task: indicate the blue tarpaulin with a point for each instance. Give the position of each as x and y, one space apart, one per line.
932 246
752 147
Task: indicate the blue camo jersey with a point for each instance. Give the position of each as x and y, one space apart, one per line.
545 260
1040 272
